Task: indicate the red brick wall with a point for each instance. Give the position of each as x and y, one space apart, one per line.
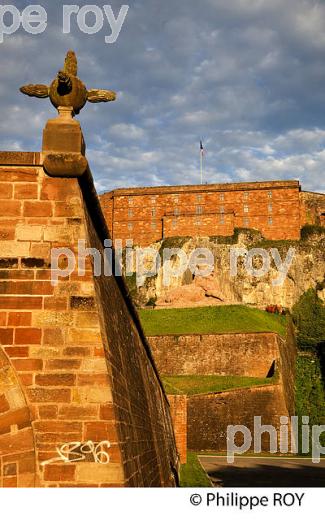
200 225
252 355
222 354
178 409
209 415
149 214
74 363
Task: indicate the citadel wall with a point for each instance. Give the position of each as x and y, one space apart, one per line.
74 363
278 209
256 355
249 354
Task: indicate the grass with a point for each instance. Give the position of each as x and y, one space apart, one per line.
252 454
192 473
194 385
210 320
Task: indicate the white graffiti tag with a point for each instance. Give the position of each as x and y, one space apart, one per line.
77 451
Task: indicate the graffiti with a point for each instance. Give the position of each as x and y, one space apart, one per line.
78 451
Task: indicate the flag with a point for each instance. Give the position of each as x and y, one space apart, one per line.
201 148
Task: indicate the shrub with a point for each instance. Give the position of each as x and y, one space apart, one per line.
309 318
310 400
311 229
172 243
151 302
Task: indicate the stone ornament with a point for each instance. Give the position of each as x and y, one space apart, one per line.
67 90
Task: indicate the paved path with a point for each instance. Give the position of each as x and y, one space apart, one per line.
264 471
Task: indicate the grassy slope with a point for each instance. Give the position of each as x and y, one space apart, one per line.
205 320
210 320
193 385
192 473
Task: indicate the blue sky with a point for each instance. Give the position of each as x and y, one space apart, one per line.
245 76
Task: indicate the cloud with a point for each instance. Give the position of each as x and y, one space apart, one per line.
125 131
245 77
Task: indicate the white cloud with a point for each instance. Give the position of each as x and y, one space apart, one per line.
127 131
246 77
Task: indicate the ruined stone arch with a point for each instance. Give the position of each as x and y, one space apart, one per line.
17 448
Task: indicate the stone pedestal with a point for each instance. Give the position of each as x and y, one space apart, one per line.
64 146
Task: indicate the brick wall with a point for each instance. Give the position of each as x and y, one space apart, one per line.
147 215
74 363
17 447
223 354
209 415
178 409
201 225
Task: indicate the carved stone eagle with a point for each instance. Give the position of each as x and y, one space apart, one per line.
67 90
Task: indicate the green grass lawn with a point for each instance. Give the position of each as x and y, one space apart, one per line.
210 320
192 473
193 385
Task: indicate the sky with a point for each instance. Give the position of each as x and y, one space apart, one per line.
247 77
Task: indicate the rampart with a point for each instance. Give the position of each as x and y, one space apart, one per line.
256 355
278 209
75 366
223 354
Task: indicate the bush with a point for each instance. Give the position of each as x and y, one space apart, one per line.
173 243
309 318
252 235
131 283
311 229
310 399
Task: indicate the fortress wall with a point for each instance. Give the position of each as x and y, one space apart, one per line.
287 366
223 354
147 215
141 406
209 415
312 208
178 408
75 364
203 225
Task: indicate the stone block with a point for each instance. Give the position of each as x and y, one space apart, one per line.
26 191
100 473
29 233
10 249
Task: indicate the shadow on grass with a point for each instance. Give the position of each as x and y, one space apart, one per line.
266 475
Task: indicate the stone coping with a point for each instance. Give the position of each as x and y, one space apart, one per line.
180 334
238 186
20 159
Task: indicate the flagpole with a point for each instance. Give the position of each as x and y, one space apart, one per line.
201 161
